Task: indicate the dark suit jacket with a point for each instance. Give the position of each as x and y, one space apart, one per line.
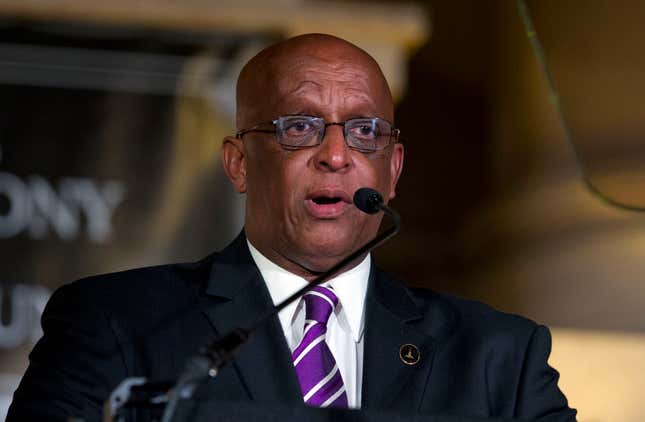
475 361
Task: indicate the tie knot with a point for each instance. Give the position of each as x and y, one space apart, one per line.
320 303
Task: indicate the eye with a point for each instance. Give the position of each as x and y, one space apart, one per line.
369 134
297 127
367 130
363 130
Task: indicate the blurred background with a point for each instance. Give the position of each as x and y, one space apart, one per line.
523 123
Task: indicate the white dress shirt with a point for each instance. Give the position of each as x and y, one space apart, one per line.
345 327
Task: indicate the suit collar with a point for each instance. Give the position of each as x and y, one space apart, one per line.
393 296
424 309
232 269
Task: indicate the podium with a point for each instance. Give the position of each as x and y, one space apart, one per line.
213 410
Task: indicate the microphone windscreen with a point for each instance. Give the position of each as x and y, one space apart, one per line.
368 200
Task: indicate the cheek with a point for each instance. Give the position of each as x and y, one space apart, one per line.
263 179
376 171
295 175
279 177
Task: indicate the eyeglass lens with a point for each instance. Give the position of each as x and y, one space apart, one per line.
365 134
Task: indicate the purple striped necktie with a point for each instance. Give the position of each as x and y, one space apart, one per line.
319 376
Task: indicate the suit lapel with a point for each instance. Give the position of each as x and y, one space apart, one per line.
238 298
393 320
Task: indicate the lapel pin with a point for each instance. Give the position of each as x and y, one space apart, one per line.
409 354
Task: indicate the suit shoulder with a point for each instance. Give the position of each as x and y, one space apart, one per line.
149 288
474 319
469 309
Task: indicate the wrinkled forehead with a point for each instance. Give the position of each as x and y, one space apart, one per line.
294 78
324 81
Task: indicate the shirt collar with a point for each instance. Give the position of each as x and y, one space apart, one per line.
350 287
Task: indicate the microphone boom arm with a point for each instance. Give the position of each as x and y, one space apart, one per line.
224 348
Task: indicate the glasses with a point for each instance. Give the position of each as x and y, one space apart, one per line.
362 134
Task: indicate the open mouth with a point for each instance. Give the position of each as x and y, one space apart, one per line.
327 203
326 200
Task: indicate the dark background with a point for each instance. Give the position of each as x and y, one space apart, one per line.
493 199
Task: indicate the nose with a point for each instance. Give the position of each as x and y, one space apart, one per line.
333 154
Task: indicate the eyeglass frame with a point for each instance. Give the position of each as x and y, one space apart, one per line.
394 132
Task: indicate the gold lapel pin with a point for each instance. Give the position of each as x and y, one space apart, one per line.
409 354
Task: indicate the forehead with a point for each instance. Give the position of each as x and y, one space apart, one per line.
340 84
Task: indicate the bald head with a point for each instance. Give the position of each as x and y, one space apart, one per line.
282 69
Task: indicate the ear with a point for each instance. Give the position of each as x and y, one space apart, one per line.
396 167
234 162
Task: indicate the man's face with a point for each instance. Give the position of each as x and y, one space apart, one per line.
299 210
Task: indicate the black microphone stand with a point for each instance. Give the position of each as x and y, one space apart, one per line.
210 360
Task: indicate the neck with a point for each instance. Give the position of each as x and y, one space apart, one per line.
302 268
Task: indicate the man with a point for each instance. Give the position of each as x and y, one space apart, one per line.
314 124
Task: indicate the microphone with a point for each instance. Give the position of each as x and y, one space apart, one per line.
368 200
210 360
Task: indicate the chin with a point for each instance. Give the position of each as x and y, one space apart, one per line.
324 249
